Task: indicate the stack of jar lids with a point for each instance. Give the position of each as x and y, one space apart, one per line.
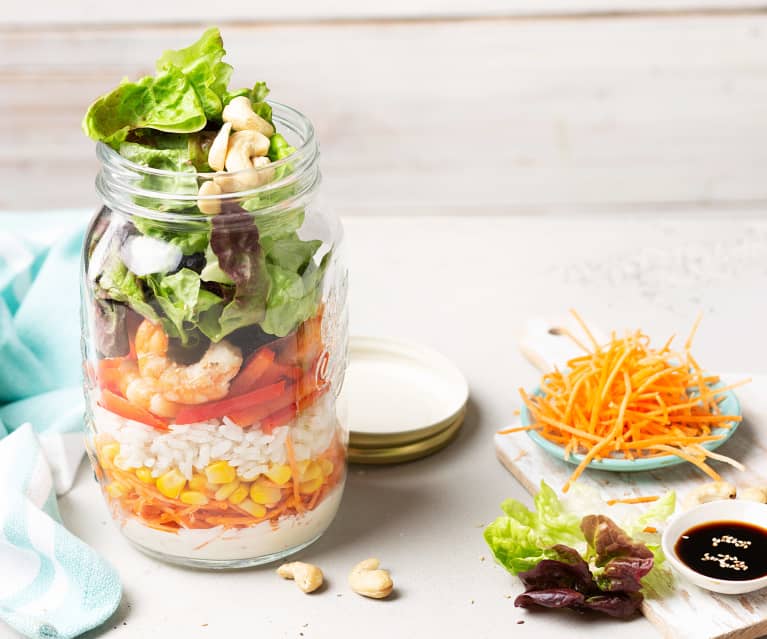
405 401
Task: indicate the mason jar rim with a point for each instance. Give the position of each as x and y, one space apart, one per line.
119 174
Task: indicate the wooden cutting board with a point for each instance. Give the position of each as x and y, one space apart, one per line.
688 612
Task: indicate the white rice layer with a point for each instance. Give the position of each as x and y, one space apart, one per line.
191 447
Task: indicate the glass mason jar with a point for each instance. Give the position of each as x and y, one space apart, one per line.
214 345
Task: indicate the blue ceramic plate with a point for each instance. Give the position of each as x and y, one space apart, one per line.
730 406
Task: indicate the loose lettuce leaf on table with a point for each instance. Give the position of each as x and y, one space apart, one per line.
620 605
621 560
520 539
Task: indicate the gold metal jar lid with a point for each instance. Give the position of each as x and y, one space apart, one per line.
405 401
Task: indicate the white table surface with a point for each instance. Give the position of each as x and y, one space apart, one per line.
464 286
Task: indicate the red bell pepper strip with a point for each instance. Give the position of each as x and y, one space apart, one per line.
282 417
109 374
253 370
122 407
251 415
277 372
211 410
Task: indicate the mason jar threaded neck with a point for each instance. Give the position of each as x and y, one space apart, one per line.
174 196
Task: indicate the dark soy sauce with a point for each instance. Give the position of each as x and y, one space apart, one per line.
729 550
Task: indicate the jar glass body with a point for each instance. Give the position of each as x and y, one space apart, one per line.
214 348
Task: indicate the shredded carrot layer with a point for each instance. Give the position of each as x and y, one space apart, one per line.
133 497
626 399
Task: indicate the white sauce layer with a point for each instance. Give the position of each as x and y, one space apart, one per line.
218 544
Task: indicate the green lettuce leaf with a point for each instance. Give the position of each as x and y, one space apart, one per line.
234 240
522 538
117 283
167 102
293 297
202 63
182 300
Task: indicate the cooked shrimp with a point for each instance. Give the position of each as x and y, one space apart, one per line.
144 391
201 382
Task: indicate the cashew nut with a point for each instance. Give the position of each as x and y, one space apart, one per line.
308 577
368 580
240 113
710 491
244 148
206 206
219 148
753 493
244 180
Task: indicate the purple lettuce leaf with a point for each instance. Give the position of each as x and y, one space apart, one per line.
550 598
623 560
620 605
234 239
566 569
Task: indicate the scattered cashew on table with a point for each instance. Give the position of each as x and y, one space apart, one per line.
308 577
366 578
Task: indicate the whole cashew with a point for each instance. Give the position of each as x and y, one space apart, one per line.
244 148
244 180
753 493
219 148
710 491
308 577
368 580
240 113
209 207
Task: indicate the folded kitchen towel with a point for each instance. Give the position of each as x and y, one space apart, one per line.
51 583
53 586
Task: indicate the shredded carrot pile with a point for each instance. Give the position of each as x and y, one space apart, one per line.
628 400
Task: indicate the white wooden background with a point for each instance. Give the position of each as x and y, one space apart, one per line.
422 107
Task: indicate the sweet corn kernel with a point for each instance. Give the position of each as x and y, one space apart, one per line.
279 474
193 498
145 474
171 483
240 493
257 510
227 490
264 494
117 489
302 465
109 451
198 483
220 472
327 466
311 485
311 472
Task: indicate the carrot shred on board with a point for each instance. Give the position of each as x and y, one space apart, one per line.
628 400
633 500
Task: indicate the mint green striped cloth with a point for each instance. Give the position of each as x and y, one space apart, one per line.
51 583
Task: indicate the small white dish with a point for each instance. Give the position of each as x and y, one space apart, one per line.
747 512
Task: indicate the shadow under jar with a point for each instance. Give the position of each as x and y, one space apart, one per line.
214 347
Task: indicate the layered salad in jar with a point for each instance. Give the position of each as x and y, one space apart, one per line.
213 351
